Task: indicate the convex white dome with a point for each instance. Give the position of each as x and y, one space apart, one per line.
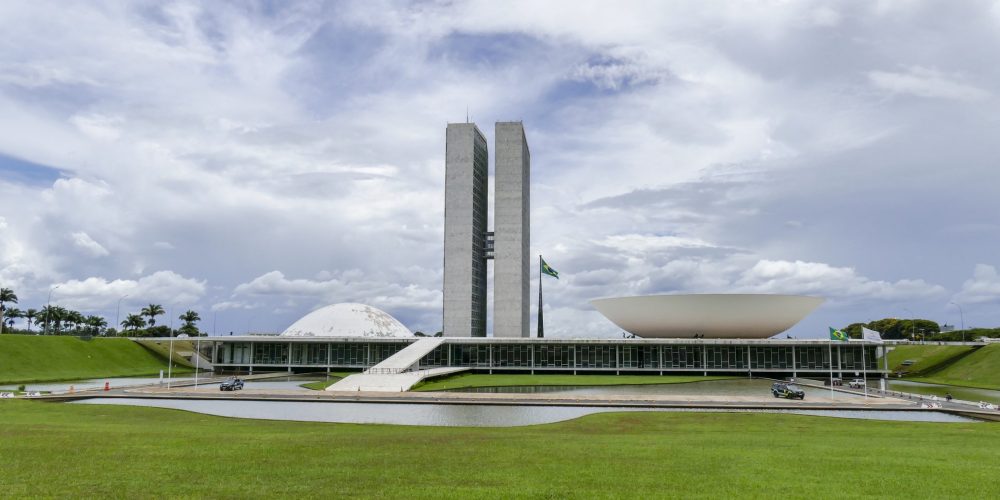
347 320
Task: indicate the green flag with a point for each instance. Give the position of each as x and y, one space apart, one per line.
837 335
546 269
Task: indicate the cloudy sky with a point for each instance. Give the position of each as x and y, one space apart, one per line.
254 161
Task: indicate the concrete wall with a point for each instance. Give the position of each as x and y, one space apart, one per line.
512 229
465 219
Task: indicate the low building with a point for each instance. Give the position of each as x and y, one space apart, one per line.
650 356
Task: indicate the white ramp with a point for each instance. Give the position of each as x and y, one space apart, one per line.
398 372
398 382
406 359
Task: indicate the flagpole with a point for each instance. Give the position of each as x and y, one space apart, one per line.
864 367
541 333
830 348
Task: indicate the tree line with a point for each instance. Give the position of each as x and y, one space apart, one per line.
57 320
917 329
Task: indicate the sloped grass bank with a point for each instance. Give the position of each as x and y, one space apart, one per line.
31 358
926 358
92 451
980 369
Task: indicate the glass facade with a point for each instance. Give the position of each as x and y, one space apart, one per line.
480 196
636 356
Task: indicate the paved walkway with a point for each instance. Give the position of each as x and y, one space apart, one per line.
679 400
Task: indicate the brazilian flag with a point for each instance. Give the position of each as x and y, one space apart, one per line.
837 335
546 269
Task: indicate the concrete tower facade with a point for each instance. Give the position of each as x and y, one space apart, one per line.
512 230
466 208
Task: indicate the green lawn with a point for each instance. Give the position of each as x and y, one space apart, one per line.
980 369
30 358
927 357
323 384
464 380
90 451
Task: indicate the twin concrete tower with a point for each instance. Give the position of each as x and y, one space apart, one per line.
468 244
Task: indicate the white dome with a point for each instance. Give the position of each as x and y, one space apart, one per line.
347 320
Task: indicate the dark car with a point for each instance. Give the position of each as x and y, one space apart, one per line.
786 390
231 384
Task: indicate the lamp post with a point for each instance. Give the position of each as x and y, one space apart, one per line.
118 309
961 316
913 324
170 356
48 309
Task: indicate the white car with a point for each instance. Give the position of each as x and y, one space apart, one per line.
857 383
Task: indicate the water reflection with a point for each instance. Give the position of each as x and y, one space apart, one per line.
461 415
734 387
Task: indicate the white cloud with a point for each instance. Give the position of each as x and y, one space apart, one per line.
162 287
100 127
309 138
817 278
84 242
982 288
616 74
229 305
926 82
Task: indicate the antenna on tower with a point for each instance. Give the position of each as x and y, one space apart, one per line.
466 114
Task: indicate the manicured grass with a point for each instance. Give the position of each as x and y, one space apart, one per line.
29 358
323 384
927 358
980 369
90 451
464 380
163 349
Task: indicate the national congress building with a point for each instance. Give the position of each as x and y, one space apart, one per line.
468 245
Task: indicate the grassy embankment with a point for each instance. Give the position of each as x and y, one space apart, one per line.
980 369
926 358
29 358
332 378
62 450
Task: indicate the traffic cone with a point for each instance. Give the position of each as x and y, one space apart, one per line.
107 385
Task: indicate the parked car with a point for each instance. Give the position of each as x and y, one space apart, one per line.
231 384
788 391
858 383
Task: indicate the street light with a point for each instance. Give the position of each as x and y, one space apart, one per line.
913 323
48 309
961 315
118 310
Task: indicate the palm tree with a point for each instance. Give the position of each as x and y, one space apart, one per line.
190 317
45 318
6 295
133 321
75 318
30 315
12 314
96 323
152 311
52 318
59 315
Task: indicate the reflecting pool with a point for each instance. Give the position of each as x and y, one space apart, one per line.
457 415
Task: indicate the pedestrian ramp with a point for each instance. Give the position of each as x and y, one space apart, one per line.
396 382
398 372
